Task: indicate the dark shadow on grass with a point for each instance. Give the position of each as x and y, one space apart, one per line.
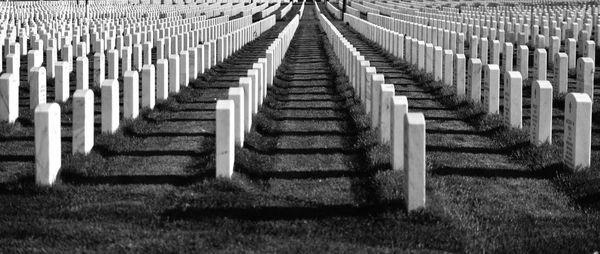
176 180
493 173
272 213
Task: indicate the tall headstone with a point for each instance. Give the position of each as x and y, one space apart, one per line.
399 110
561 72
474 87
148 86
83 121
540 59
47 143
61 82
414 160
523 60
246 84
541 112
162 79
131 94
491 95
37 87
236 94
578 131
9 97
110 105
174 75
387 92
513 99
225 137
459 74
585 76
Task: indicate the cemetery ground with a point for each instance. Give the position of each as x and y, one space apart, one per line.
312 176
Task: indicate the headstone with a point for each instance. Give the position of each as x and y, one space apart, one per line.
414 160
253 75
459 74
474 87
113 64
523 58
62 90
378 80
174 75
225 137
131 94
110 106
9 97
148 86
448 68
82 73
99 69
571 49
47 143
513 99
399 110
541 113
236 94
437 64
37 87
507 64
387 92
162 79
491 95
246 84
540 59
184 66
83 121
561 72
578 131
585 76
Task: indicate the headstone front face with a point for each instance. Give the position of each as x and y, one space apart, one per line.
225 137
378 80
47 143
162 81
491 96
253 75
148 86
541 113
540 59
387 92
131 94
9 97
174 74
61 82
414 160
83 121
110 106
37 87
448 68
246 84
578 131
437 63
474 87
82 72
513 102
585 76
508 57
571 49
561 72
184 63
523 58
113 64
236 94
399 110
459 74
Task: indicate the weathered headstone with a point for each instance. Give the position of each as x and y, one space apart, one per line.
474 87
9 97
540 59
387 92
491 95
459 74
585 76
37 87
131 94
561 72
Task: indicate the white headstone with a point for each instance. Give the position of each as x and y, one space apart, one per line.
541 112
578 131
110 105
9 97
246 84
131 94
387 92
474 86
162 79
236 94
513 99
47 143
414 160
399 110
83 121
491 95
174 70
148 86
37 87
585 76
225 138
